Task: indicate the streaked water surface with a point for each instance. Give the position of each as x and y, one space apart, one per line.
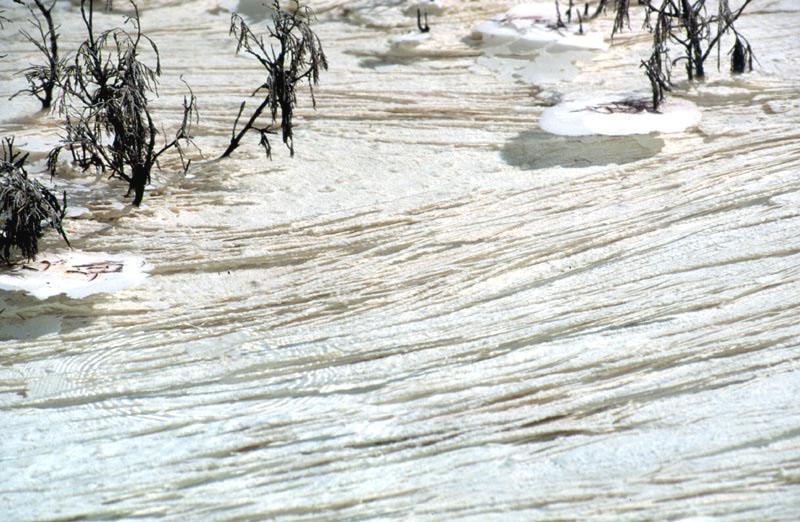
435 310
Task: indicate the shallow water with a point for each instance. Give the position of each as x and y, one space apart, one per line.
435 310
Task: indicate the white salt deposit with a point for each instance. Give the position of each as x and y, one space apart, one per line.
76 274
602 116
257 10
575 41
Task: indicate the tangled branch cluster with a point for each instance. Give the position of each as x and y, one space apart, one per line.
687 25
105 104
27 208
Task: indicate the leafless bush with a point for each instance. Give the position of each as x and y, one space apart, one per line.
42 79
292 54
27 208
689 26
105 103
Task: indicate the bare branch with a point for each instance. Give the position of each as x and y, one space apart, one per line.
42 79
294 55
105 100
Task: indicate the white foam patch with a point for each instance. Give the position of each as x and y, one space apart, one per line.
586 117
75 274
494 33
414 37
530 27
416 44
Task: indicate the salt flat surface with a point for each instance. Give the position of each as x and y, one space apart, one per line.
436 310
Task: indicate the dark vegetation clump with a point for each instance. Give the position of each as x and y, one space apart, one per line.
291 54
691 27
27 208
105 91
741 56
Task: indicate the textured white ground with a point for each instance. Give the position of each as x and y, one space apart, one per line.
435 310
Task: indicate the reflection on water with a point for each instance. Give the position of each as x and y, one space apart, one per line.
422 315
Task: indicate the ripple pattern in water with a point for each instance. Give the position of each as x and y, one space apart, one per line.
434 311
